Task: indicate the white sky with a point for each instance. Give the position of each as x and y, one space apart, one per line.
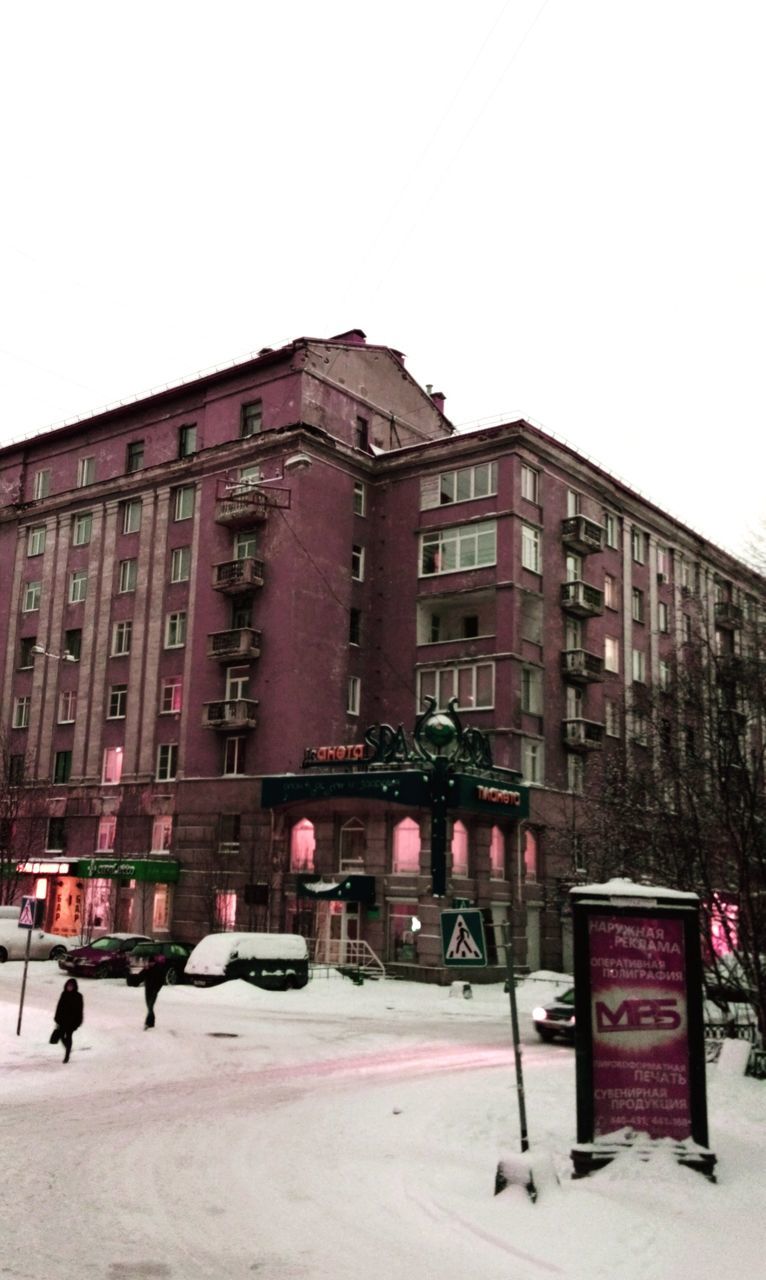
555 208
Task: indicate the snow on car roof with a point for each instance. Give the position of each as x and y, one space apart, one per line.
214 952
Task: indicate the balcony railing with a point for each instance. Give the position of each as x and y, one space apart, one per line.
583 735
577 664
581 599
728 615
241 507
242 642
582 535
235 577
230 713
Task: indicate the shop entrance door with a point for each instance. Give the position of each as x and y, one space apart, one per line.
338 930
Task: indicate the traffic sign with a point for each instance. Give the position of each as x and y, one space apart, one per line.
463 943
28 913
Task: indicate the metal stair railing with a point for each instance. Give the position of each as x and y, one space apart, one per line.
337 953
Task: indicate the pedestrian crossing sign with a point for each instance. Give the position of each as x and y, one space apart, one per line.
463 941
28 913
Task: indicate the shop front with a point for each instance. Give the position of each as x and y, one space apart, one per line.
95 895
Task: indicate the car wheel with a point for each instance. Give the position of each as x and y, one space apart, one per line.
102 971
57 953
171 977
3 955
545 1033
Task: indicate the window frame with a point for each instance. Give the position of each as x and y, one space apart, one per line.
21 708
124 629
171 691
36 534
184 494
187 440
62 767
450 672
531 540
353 695
86 471
134 456
82 528
127 571
117 702
463 541
357 562
359 499
41 484
434 489
68 715
530 483
31 597
175 627
132 512
180 556
167 762
77 592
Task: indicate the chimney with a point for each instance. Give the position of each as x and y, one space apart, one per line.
438 398
354 338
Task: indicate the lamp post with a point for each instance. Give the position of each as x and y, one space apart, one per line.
66 656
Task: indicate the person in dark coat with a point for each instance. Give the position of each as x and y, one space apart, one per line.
154 980
68 1015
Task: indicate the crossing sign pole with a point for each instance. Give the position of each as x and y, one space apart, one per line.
31 910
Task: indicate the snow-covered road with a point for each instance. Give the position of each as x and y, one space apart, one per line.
336 1132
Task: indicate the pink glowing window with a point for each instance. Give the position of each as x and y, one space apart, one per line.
302 846
406 846
497 854
530 854
112 765
459 849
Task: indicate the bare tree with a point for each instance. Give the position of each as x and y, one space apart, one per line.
21 824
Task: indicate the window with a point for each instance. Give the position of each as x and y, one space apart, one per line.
611 530
86 472
26 656
640 728
187 440
302 846
639 666
637 605
171 695
118 701
610 591
576 774
355 626
67 706
357 563
531 859
458 486
21 707
459 849
107 830
55 836
175 629
532 618
73 643
167 761
111 771
530 483
360 498
234 756
245 544
228 833
62 766
122 633
225 909
663 672
497 854
637 545
611 718
131 516
41 485
473 686
530 548
573 567
36 540
574 703
533 761
687 626
573 633
532 690
30 601
663 617
352 846
663 561
162 833
461 547
251 418
362 433
249 477
406 846
353 695
16 770
134 455
82 527
573 502
180 564
127 576
78 586
183 502
237 683
611 654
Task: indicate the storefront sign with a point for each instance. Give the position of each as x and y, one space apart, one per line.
148 870
351 753
410 787
487 795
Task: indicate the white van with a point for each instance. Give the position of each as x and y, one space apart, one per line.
42 946
276 961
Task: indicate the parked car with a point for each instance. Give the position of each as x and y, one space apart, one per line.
556 1019
105 957
276 961
176 954
42 945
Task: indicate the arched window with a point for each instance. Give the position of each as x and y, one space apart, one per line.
353 846
530 854
406 846
302 845
497 855
459 849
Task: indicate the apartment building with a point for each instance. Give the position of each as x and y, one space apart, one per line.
204 586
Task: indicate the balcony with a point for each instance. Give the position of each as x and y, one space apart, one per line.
241 507
577 664
237 577
582 535
583 735
231 713
581 599
228 646
728 615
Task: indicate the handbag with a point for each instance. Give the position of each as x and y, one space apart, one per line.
55 1036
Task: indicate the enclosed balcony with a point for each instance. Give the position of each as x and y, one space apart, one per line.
578 664
583 735
237 577
241 506
728 615
582 600
230 713
582 535
242 643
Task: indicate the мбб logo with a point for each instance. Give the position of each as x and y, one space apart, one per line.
639 1015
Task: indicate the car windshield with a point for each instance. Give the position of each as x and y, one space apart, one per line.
106 944
567 997
146 949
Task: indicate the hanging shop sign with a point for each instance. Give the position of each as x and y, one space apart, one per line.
354 888
399 786
147 870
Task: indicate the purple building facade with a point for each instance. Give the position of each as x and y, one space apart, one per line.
200 585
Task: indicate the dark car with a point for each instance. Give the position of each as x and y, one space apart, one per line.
105 957
556 1020
176 954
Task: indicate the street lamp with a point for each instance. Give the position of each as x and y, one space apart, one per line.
66 656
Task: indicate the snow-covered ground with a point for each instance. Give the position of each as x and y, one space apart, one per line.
332 1133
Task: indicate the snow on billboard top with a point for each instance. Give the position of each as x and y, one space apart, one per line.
620 887
214 952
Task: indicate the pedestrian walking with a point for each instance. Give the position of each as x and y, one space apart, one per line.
154 980
68 1016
